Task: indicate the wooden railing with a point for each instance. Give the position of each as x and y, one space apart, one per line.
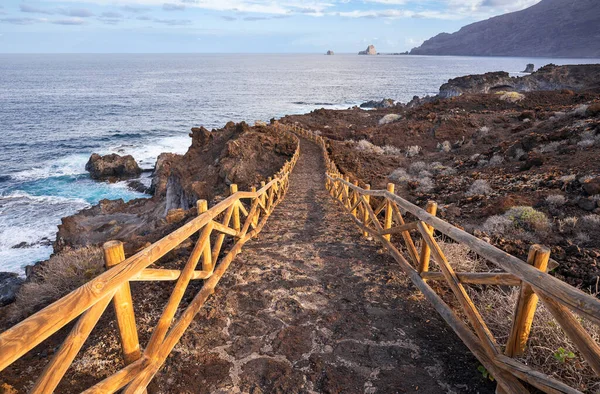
380 214
90 300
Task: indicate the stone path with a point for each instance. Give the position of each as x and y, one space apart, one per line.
311 306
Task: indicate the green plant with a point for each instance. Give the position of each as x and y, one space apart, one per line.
563 355
528 218
485 373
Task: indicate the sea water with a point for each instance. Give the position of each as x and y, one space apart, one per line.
55 110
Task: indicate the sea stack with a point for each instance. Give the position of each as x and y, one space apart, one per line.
529 68
330 53
369 51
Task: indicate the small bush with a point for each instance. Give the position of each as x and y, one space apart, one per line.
567 178
57 277
416 167
496 160
512 97
413 150
426 184
581 109
448 171
479 187
482 163
584 144
496 225
367 147
445 146
528 219
567 225
400 176
589 223
484 131
550 147
556 200
546 339
392 150
389 118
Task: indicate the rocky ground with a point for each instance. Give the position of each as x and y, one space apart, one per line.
309 306
479 155
237 154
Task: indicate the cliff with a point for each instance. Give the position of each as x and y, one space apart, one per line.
554 28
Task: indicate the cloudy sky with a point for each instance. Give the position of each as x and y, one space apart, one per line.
216 26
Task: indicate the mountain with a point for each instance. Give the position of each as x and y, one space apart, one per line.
552 28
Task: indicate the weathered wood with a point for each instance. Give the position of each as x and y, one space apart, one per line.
60 363
487 339
537 379
387 222
257 214
425 256
477 278
236 209
202 206
526 305
155 274
408 241
115 254
365 215
586 345
169 311
400 229
354 199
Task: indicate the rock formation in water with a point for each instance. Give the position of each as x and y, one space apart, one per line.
385 103
330 53
112 166
552 28
369 51
530 68
549 77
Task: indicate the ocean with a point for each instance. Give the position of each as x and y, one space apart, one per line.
55 110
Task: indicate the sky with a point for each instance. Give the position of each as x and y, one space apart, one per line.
234 26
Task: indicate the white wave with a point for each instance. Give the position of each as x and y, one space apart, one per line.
67 166
148 151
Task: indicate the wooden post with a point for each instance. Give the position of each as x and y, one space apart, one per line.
354 198
347 203
263 196
365 211
431 208
202 206
257 214
114 254
388 212
236 209
526 305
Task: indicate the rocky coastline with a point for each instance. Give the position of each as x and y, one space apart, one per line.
471 123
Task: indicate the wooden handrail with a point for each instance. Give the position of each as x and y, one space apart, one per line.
559 297
91 299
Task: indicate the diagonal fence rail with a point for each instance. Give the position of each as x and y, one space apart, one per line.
239 217
381 215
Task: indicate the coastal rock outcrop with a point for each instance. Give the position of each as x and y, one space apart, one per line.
161 173
549 77
9 284
385 103
530 68
112 166
330 53
369 51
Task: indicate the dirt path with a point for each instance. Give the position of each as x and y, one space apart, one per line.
311 306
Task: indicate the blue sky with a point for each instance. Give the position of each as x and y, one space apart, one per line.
234 26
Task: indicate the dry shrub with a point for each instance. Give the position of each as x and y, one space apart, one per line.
479 187
392 150
546 339
400 175
556 200
413 150
57 277
367 147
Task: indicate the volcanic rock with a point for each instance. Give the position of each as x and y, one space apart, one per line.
529 69
592 186
9 285
369 51
161 173
385 103
330 53
586 204
112 166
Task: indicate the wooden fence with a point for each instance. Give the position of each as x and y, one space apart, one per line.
380 214
90 300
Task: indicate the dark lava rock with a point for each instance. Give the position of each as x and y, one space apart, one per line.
532 161
138 187
586 204
592 186
385 103
9 284
112 166
529 69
